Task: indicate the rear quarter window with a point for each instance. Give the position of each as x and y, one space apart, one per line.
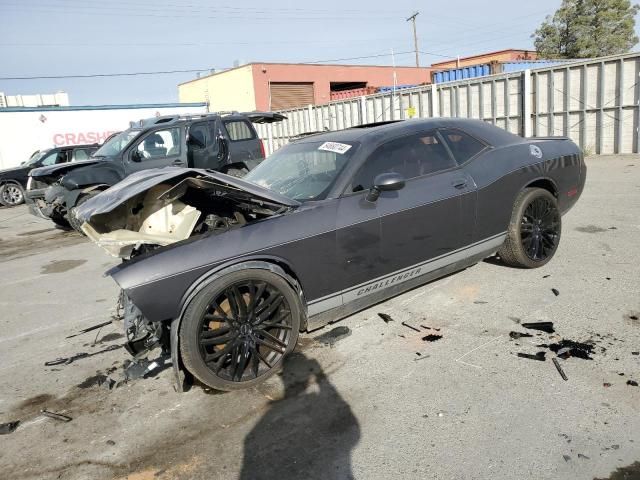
239 130
462 145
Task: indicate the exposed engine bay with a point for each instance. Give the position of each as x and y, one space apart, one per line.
168 213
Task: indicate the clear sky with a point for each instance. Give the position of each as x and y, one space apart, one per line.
80 37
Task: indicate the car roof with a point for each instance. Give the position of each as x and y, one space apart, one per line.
385 130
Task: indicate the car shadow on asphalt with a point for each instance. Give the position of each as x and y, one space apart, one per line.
309 433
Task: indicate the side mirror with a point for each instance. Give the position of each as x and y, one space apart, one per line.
385 182
136 156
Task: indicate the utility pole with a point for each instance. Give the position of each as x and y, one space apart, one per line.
415 36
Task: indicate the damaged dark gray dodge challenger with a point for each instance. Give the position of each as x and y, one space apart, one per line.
225 272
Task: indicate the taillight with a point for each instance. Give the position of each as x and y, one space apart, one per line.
262 148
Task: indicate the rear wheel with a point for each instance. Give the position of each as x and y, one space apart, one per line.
534 230
237 330
11 194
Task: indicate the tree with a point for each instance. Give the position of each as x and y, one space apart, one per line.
587 28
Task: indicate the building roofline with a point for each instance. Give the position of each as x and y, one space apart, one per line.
251 64
101 107
435 65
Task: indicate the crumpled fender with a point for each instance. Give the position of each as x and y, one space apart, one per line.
178 368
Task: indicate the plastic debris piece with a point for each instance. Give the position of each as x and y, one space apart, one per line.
606 384
480 302
576 349
632 383
9 427
431 338
385 317
425 327
519 334
559 368
405 324
555 291
546 276
56 416
95 327
566 458
583 456
543 326
635 353
541 356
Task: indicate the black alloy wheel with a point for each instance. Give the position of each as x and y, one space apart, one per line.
540 229
242 331
534 231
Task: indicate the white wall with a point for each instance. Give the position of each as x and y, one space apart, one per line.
22 133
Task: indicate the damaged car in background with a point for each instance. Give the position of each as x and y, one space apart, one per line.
224 273
223 141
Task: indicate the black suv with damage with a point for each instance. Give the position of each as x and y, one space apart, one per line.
225 142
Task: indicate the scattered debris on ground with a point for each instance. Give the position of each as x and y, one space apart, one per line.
431 338
635 353
555 291
632 383
574 349
516 335
405 324
584 457
480 302
9 427
606 384
334 335
542 326
559 368
385 317
541 356
56 416
78 356
89 329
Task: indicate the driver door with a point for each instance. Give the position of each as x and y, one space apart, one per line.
157 149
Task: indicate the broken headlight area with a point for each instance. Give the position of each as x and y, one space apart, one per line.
142 335
167 213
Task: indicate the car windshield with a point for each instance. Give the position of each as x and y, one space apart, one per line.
117 143
35 158
303 171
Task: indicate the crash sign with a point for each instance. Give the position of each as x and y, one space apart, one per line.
79 138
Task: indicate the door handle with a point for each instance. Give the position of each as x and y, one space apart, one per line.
460 183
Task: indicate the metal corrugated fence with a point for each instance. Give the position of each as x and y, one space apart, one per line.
594 102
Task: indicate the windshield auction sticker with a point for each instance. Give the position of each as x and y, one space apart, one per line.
335 147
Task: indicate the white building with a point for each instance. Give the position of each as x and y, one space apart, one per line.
58 99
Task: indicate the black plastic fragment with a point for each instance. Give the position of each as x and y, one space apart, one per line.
559 368
632 383
480 302
9 427
56 416
635 353
519 334
583 456
405 324
94 327
541 356
431 338
555 291
543 326
546 276
576 349
385 317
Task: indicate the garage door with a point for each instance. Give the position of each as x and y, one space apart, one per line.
291 95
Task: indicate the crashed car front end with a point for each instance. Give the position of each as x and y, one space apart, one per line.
155 210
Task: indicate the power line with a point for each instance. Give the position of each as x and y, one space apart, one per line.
101 75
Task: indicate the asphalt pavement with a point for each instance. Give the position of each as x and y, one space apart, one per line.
436 392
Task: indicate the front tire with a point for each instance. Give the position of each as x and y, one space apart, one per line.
534 230
11 194
237 330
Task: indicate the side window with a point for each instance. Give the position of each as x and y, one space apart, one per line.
63 156
411 156
160 144
49 159
239 130
80 154
462 146
198 133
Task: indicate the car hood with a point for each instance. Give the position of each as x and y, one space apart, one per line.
145 180
8 172
62 168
